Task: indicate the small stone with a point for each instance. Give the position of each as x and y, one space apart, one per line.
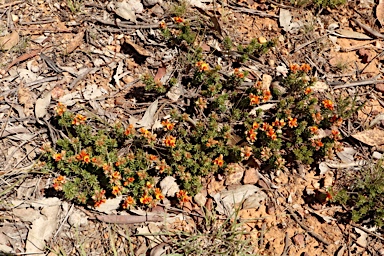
200 198
250 176
15 18
262 40
149 3
236 174
380 87
157 10
299 240
78 219
234 178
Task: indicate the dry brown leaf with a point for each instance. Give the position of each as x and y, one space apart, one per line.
42 105
161 71
76 42
373 137
380 12
140 50
10 40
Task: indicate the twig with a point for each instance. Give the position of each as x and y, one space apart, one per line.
262 232
287 245
377 55
298 48
10 4
312 233
37 22
368 29
40 81
367 231
80 77
358 83
64 220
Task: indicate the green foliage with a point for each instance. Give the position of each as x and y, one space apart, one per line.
218 128
365 195
75 5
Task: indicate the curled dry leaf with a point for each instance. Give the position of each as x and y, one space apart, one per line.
372 137
380 12
75 42
9 41
140 50
149 116
352 34
42 105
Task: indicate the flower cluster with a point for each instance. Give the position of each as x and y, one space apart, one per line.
79 119
304 68
58 183
202 66
183 197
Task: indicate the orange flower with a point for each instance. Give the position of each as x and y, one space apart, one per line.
99 197
83 156
305 68
255 100
144 131
246 152
60 109
308 90
203 66
294 67
219 160
116 190
255 125
317 143
317 117
328 104
158 194
251 135
292 122
163 25
107 168
266 95
178 20
116 175
314 129
149 184
168 126
58 157
183 197
79 119
338 121
146 199
201 103
128 202
238 73
278 123
211 142
129 131
87 159
271 133
170 141
258 85
162 166
58 183
336 134
266 126
128 181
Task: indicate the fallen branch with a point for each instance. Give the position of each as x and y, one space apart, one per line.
312 233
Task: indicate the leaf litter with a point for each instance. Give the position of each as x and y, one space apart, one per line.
82 47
